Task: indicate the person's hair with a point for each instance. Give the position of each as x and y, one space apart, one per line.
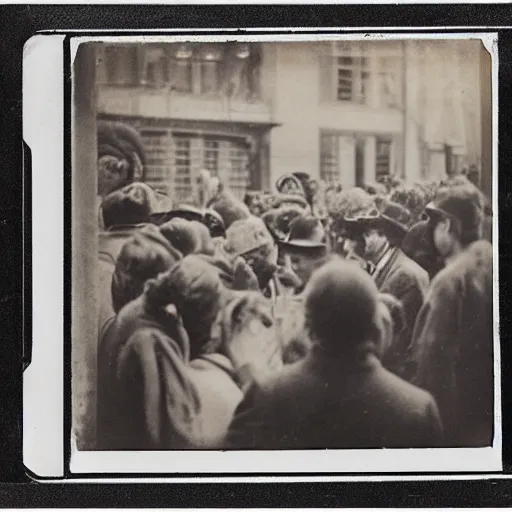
341 306
132 204
142 257
195 289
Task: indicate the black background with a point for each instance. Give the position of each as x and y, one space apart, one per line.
17 24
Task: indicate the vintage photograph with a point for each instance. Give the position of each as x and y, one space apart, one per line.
282 245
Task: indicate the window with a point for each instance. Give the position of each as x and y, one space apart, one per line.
211 156
352 75
383 157
182 167
227 158
181 75
238 178
390 81
121 64
329 170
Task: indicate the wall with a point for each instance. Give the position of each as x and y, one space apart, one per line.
298 107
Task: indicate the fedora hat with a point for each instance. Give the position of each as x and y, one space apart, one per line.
394 219
305 233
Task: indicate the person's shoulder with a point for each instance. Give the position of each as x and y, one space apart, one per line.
476 259
285 383
410 267
404 393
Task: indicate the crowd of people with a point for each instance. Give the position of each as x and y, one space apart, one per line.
310 317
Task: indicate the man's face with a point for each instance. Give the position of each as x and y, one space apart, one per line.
374 241
303 263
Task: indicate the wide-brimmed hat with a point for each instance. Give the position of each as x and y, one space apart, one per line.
393 220
305 233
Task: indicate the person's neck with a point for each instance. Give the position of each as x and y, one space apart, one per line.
378 255
457 249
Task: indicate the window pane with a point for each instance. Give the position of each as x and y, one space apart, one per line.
182 179
329 171
383 153
211 156
209 77
239 169
181 75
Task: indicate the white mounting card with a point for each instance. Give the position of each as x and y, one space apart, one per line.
43 386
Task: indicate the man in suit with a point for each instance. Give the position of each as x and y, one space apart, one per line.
339 396
394 273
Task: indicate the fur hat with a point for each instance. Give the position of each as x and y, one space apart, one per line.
246 235
130 205
142 257
182 235
341 306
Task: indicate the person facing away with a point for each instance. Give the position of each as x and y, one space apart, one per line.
125 212
142 257
452 351
394 273
154 403
339 396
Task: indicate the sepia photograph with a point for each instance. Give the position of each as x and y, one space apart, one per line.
283 244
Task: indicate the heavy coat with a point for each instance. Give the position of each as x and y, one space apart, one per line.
408 282
146 400
324 402
452 351
110 244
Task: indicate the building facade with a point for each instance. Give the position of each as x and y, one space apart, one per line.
344 111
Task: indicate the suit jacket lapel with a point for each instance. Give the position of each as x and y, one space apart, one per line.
380 277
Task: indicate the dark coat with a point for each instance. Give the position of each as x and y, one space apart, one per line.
110 244
322 402
408 282
145 397
452 351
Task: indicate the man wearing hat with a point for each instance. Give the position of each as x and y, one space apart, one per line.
339 396
394 273
452 350
304 250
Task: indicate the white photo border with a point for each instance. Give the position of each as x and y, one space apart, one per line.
43 432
